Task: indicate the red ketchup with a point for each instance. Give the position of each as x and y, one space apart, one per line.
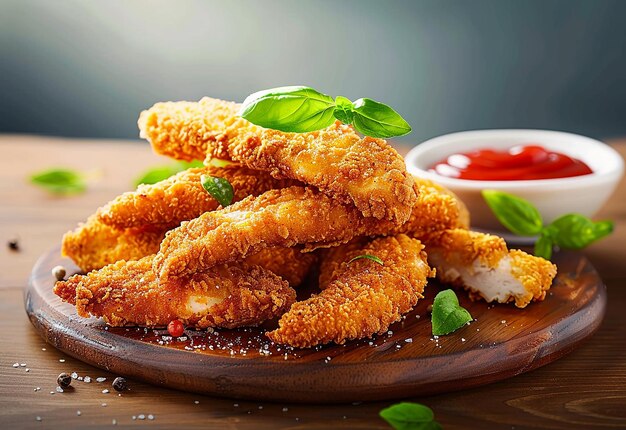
515 164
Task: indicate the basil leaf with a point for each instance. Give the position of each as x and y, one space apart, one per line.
575 231
344 110
160 173
290 109
515 213
410 416
157 174
375 119
60 181
447 314
219 188
369 257
543 246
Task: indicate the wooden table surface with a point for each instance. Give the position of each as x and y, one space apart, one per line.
586 389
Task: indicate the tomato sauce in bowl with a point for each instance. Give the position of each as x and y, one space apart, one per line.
518 163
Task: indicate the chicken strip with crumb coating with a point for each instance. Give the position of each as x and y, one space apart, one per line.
287 217
127 293
363 298
93 244
181 197
482 264
366 172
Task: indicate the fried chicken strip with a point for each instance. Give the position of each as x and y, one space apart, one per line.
287 217
127 293
182 197
93 244
366 172
291 264
482 264
363 298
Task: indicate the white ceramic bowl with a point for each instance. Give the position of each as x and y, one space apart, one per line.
553 197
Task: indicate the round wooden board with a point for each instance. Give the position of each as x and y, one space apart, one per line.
503 341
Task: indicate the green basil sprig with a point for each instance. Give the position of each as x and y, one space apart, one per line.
447 314
301 109
60 181
160 173
410 416
219 188
571 231
368 257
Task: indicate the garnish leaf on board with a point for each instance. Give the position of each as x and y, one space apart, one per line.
410 416
60 181
368 257
219 188
515 213
570 231
160 173
447 314
302 109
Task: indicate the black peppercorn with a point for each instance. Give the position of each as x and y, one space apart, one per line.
13 245
64 380
119 384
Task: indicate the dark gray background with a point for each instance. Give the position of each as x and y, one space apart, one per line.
87 68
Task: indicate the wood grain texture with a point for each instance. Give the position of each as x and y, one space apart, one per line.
503 341
585 389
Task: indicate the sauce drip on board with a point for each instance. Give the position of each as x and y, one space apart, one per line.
522 162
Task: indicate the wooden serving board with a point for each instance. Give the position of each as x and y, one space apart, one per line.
502 342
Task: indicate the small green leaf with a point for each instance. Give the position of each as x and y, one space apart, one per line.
160 173
219 188
344 110
515 213
575 231
543 246
376 119
368 257
447 314
157 174
295 109
60 181
410 416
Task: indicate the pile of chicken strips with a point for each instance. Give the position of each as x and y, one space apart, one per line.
169 251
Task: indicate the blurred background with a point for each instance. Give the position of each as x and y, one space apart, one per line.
87 68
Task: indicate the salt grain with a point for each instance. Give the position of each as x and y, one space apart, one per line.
16 364
105 391
78 413
141 417
134 417
61 360
236 405
408 340
285 409
101 379
87 379
38 418
59 390
23 364
74 375
150 417
104 405
27 370
196 402
43 349
114 422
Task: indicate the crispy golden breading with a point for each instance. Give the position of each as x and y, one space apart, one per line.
362 299
93 244
188 130
366 172
181 197
127 293
287 217
482 264
289 263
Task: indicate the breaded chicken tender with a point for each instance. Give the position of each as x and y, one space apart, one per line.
188 130
363 298
287 217
482 264
181 197
436 209
127 293
366 172
93 244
